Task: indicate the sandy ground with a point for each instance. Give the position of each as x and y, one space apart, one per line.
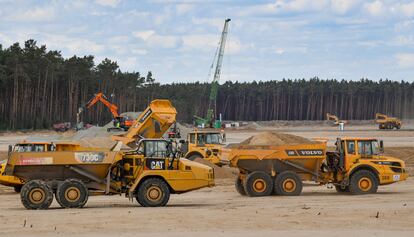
221 211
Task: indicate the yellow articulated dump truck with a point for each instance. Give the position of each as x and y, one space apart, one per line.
356 166
149 172
26 146
386 122
204 144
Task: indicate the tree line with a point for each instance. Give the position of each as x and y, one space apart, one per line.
38 87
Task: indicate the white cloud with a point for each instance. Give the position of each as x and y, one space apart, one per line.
405 60
208 42
153 39
144 35
343 6
279 51
404 40
128 64
108 3
139 51
35 14
375 8
164 41
183 8
406 9
78 46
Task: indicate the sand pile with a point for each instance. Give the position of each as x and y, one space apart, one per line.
275 139
224 172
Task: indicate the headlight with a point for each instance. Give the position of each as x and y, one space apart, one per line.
208 152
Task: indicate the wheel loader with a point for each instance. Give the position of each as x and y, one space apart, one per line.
149 172
386 122
356 166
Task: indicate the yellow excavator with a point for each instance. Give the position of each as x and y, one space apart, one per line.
386 122
336 121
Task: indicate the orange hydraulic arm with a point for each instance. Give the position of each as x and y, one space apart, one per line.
101 97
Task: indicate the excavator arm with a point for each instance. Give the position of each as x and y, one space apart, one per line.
102 98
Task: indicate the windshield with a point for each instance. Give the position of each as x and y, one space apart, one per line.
209 138
368 148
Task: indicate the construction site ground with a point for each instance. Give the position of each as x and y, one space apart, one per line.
221 211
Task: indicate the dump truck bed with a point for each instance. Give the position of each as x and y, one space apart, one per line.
273 159
61 165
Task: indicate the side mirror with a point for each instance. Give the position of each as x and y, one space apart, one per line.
381 146
182 141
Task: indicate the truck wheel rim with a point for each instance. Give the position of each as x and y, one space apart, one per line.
37 195
259 185
289 185
72 194
365 184
154 193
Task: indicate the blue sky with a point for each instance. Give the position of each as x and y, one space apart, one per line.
268 40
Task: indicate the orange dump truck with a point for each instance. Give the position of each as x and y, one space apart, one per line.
356 166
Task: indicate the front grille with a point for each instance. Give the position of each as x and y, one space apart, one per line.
397 170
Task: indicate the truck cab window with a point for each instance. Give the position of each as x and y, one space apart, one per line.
351 147
365 148
155 149
192 138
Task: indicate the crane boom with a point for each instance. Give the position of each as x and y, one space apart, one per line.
212 104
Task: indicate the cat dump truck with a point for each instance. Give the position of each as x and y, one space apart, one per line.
149 174
26 146
356 166
386 122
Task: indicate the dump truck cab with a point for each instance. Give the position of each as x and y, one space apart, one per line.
205 144
29 147
364 154
158 158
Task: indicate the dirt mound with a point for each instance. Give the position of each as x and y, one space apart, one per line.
275 139
404 153
224 172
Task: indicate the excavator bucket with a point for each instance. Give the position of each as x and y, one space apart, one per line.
156 119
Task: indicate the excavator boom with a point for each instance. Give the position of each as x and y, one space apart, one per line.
102 98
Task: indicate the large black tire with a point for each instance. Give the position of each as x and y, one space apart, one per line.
72 193
363 182
17 189
239 187
153 192
258 184
195 156
36 194
340 189
288 183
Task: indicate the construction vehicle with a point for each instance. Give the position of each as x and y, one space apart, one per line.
154 122
25 146
61 127
335 119
211 121
386 122
356 166
204 144
120 122
149 173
